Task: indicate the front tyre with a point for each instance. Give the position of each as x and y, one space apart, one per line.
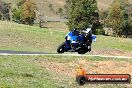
60 49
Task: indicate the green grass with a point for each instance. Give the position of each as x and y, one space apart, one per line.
21 37
109 42
22 72
25 72
26 38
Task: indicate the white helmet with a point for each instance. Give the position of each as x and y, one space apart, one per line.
88 30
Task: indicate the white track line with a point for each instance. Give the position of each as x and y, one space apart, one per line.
6 54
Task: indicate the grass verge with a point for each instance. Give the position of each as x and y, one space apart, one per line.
55 71
26 38
21 37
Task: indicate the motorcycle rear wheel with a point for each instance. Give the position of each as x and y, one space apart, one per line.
83 50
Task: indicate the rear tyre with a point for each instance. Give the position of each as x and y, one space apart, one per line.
60 49
82 50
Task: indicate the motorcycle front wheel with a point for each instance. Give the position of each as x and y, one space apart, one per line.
60 49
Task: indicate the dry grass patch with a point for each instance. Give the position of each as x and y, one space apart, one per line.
111 52
96 67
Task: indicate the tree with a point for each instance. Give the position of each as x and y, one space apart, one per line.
17 12
0 11
82 13
26 12
103 14
4 11
117 18
17 15
128 17
60 11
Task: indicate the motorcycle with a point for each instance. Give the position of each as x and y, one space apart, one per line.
77 42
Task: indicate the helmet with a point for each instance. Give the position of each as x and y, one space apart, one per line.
88 30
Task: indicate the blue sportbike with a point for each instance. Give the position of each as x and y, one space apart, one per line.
77 42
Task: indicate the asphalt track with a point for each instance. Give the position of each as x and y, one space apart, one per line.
26 53
19 52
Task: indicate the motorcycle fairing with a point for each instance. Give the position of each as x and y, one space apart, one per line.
70 36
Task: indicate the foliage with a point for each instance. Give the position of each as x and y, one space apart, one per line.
4 11
26 12
103 16
117 18
17 15
100 32
18 11
82 13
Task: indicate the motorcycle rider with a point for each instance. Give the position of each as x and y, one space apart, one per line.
77 41
88 36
